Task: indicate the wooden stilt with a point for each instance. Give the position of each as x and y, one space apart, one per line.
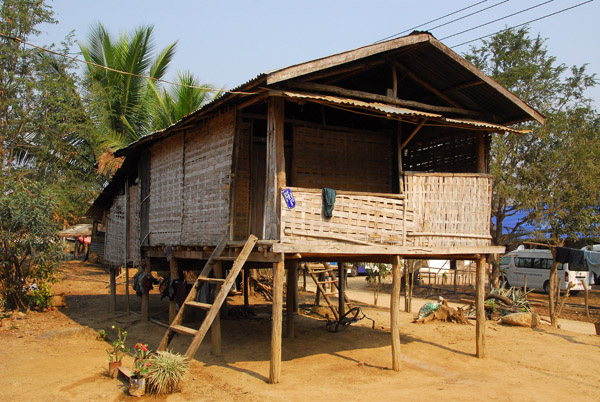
215 328
128 308
290 299
145 313
341 288
480 307
113 291
246 287
275 368
395 313
173 275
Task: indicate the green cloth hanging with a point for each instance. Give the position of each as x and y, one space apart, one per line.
328 201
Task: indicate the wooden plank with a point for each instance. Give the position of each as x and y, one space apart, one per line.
275 167
343 58
311 86
180 329
480 307
203 306
327 249
215 281
395 313
277 318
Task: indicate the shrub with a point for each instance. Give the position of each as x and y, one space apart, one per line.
167 371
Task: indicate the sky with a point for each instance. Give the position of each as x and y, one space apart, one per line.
228 42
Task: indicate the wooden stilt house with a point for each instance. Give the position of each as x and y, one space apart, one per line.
400 130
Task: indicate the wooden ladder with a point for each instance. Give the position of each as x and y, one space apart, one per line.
315 273
213 309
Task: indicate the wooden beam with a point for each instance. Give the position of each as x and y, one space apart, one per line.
395 313
312 86
276 323
480 307
427 86
463 86
311 249
275 167
394 81
246 275
414 132
173 274
481 154
399 152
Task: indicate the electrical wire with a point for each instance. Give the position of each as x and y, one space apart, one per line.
429 22
205 88
497 19
468 15
524 23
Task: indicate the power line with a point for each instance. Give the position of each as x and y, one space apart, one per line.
498 19
468 15
208 89
429 22
525 23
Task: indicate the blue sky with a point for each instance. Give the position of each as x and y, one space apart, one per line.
228 42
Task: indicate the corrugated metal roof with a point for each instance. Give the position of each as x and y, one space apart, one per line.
397 111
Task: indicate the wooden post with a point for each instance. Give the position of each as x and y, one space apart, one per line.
395 313
128 308
341 288
277 316
480 307
173 274
290 299
246 274
215 328
455 268
145 313
113 291
481 160
400 171
275 167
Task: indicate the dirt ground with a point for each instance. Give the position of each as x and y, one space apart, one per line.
54 355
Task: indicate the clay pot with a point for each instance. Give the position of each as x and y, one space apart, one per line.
113 369
137 386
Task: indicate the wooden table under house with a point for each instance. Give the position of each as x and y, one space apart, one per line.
400 130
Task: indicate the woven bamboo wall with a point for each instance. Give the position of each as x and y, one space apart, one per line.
114 244
166 187
342 160
358 218
208 158
449 209
133 212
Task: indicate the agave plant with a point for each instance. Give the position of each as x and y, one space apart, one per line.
166 372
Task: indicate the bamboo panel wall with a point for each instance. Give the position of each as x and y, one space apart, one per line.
342 160
358 218
166 187
449 209
208 159
133 212
114 243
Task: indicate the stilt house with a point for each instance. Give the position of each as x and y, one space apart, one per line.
400 130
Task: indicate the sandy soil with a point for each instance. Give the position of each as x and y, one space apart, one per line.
55 356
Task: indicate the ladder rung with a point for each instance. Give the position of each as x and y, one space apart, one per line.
180 329
211 280
226 258
329 281
205 306
320 271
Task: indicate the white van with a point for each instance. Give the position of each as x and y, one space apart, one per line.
535 266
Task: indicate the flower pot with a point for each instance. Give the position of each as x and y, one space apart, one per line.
113 369
137 386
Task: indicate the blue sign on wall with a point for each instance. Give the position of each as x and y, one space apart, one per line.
289 198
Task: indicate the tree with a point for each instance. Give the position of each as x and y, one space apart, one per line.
179 101
124 101
550 173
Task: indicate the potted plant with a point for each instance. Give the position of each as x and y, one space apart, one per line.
137 381
116 353
167 371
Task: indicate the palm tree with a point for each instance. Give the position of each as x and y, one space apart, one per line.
124 101
179 101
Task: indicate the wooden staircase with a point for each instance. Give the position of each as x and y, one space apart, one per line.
323 275
226 284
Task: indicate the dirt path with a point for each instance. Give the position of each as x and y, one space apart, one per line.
54 356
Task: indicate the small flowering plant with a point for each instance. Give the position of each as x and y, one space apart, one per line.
118 350
142 360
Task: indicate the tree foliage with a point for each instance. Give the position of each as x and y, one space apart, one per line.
549 174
